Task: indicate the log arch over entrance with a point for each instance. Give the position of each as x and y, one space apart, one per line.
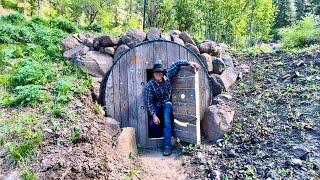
123 90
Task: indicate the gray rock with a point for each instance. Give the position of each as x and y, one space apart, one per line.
13 175
177 40
96 82
108 41
186 38
208 46
296 162
217 121
207 61
109 50
173 33
218 65
121 49
193 48
96 44
217 84
301 152
231 153
95 63
113 126
78 50
227 60
89 42
101 49
127 142
69 43
165 37
82 37
229 77
133 37
223 98
153 34
216 175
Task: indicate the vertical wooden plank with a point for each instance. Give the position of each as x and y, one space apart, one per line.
160 53
109 99
173 53
143 53
124 110
116 91
149 62
132 88
183 53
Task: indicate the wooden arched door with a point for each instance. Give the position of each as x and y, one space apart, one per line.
123 95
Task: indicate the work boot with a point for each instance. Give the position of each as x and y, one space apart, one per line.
167 151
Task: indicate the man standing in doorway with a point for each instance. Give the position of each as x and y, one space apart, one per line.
158 100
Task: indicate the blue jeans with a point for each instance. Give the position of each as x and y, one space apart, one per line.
164 113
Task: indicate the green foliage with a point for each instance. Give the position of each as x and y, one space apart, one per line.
25 95
27 174
20 134
63 89
31 72
75 134
13 18
95 27
305 32
188 150
64 25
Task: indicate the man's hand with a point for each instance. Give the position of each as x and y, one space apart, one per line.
196 66
156 120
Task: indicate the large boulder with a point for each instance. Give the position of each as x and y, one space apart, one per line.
208 46
223 98
76 51
217 121
193 48
95 63
165 37
227 60
109 50
218 65
127 142
133 37
217 84
186 38
121 49
175 33
112 126
153 34
108 41
177 40
229 77
69 43
207 61
105 41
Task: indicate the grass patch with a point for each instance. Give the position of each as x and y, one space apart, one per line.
20 135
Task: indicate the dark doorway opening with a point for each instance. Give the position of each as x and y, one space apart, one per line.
153 131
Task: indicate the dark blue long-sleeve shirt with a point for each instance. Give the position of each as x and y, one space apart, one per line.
157 94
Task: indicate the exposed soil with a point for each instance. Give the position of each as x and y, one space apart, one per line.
92 155
276 128
156 166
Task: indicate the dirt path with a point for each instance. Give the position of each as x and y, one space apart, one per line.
156 166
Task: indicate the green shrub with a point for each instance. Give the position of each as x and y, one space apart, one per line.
305 32
64 25
28 95
31 72
95 27
13 18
